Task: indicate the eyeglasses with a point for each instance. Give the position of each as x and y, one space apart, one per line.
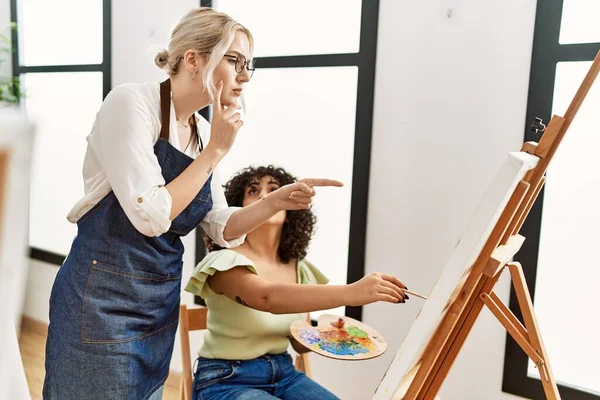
241 63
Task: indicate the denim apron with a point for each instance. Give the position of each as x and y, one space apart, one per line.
114 306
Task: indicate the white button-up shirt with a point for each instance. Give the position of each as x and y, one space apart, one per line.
120 157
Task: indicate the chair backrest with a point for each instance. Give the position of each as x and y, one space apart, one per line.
194 319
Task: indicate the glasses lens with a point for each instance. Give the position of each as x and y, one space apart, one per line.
240 62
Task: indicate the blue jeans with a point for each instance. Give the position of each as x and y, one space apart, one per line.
263 378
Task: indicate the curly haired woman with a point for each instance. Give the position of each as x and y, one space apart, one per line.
255 291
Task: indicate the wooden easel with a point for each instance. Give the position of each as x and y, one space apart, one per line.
477 287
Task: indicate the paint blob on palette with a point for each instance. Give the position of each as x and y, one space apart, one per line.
340 338
341 342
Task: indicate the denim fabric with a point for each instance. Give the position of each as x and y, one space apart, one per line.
266 377
114 305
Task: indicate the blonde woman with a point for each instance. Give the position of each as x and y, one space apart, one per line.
149 179
255 291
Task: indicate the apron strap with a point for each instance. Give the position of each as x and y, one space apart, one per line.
165 108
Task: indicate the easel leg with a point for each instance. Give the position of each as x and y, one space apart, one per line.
508 322
506 311
528 337
456 340
449 327
531 324
516 224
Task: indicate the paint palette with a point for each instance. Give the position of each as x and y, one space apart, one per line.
342 338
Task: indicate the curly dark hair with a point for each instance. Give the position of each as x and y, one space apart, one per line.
298 226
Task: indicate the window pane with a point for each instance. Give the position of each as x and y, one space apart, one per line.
60 32
579 22
568 267
302 119
297 27
63 107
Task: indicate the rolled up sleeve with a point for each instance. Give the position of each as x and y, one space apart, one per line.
156 205
123 143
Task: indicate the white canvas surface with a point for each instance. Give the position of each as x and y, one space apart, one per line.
464 255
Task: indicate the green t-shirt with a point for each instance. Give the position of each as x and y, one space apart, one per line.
237 332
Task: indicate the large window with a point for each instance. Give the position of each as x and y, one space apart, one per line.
309 110
62 55
559 256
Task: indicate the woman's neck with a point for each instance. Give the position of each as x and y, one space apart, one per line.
264 242
187 97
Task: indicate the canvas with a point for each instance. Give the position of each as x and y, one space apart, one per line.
513 169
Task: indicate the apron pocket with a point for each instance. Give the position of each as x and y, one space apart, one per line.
121 305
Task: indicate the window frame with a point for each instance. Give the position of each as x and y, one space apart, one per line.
546 53
105 68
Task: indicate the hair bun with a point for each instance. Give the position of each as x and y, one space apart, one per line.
161 58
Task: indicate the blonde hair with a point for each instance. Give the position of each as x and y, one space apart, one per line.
203 30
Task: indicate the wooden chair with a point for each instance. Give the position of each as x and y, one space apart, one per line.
194 319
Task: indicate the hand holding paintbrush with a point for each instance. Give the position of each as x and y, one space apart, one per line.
414 294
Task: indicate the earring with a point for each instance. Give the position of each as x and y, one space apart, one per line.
194 76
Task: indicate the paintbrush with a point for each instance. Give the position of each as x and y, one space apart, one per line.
415 294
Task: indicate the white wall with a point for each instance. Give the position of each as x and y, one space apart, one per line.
140 28
450 102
